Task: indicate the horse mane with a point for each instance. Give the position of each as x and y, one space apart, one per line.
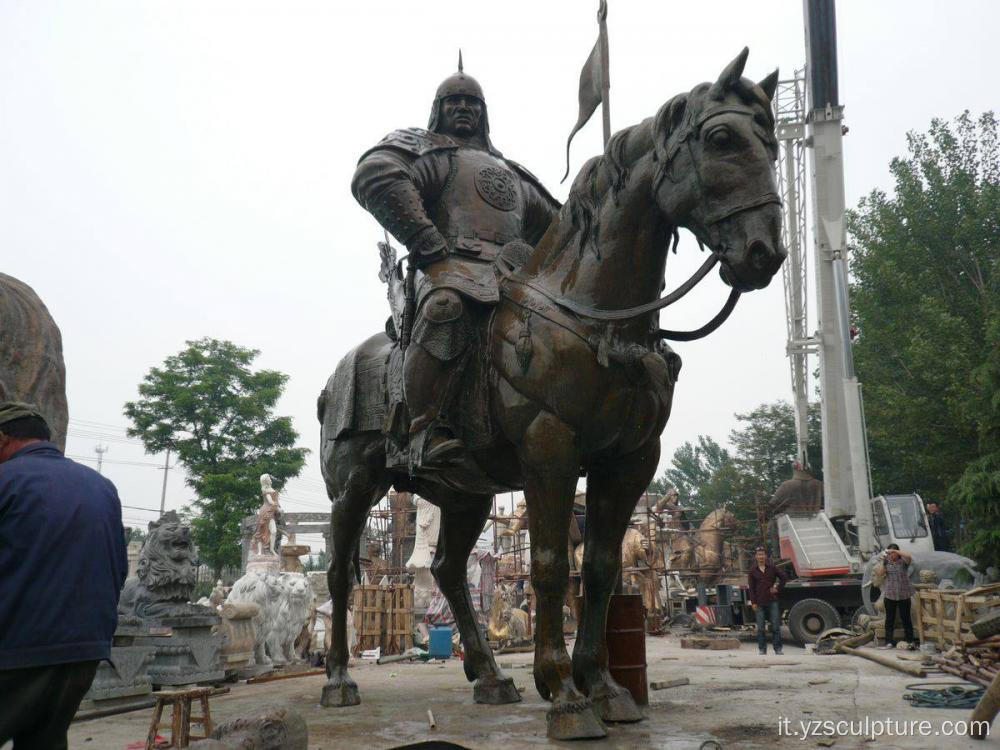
614 165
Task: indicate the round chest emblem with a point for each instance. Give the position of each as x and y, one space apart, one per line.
496 186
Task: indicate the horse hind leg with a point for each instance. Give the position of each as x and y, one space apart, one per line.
461 524
355 481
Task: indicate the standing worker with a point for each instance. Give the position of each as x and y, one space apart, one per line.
765 582
896 592
62 566
939 532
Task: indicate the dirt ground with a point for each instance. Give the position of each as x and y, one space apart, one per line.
735 698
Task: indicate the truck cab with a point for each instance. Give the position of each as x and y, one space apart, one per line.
902 520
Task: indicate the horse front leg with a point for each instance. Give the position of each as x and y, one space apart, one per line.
550 461
353 488
613 489
461 523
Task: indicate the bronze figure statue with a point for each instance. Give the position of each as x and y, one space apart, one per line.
536 355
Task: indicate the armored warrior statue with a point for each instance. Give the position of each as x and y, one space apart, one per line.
454 201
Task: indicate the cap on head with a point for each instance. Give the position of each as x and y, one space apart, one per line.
11 410
893 546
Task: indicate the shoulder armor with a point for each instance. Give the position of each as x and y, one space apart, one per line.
525 174
413 141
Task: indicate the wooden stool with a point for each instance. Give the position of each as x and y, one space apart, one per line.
181 718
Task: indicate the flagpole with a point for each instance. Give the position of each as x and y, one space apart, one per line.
602 20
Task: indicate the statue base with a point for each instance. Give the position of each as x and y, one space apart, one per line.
126 674
192 654
263 564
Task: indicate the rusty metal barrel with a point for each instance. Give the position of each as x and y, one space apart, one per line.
626 634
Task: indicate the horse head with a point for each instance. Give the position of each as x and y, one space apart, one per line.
715 150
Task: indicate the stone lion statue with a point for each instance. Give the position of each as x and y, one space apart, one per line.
285 604
166 576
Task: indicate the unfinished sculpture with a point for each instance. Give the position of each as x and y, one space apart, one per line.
160 595
264 729
508 623
524 366
424 547
636 553
31 357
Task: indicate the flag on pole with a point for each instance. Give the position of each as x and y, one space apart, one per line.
593 81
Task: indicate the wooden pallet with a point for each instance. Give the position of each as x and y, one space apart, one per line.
399 620
383 618
945 617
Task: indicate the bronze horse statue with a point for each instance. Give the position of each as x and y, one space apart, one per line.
578 382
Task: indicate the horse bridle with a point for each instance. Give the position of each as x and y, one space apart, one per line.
680 139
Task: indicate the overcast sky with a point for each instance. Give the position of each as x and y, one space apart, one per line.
173 170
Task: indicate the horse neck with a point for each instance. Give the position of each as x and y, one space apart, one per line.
622 264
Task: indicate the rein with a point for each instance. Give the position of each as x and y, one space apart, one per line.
594 313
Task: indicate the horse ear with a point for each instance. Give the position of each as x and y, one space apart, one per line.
730 75
770 84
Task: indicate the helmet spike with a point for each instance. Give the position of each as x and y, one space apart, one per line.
460 60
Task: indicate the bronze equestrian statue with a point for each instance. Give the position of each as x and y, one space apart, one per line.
536 355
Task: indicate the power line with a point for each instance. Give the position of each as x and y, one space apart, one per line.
88 422
114 461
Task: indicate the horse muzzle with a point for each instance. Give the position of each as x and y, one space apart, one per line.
753 266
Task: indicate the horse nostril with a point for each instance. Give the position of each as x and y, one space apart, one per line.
759 254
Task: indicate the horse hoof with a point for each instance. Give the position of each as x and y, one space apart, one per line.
617 707
574 720
494 691
340 694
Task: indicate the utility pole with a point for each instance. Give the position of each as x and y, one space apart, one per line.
100 450
847 490
163 492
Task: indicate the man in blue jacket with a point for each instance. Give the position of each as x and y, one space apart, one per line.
62 566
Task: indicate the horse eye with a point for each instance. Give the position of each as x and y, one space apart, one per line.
720 137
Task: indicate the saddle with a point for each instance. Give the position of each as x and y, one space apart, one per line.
365 392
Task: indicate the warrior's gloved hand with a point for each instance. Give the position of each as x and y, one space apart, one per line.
427 246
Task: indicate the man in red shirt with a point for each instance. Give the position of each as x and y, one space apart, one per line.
765 581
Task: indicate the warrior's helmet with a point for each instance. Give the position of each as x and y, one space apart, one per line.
458 84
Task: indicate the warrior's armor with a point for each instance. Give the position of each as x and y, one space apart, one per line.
454 202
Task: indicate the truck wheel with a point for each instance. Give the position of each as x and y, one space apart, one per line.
987 625
810 617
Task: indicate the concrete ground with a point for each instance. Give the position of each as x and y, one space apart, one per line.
735 698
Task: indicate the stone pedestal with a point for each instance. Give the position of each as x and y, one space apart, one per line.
290 554
239 637
126 676
263 564
192 654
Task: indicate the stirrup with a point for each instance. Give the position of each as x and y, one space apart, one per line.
445 451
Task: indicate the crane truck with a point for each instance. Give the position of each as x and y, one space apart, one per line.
830 549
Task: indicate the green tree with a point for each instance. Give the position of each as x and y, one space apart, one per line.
977 491
692 468
924 267
208 406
